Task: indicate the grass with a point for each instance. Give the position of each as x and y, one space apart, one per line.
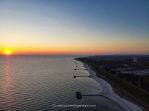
144 96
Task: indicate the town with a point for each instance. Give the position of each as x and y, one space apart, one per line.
131 68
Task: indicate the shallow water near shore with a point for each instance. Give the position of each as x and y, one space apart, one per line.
45 83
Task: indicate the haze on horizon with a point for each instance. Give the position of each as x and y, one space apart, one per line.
74 26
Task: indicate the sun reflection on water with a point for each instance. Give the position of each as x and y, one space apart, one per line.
7 85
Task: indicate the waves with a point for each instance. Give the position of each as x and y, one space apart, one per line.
38 83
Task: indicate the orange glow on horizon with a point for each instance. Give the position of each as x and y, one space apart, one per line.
78 50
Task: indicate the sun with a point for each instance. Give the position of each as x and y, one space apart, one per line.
7 52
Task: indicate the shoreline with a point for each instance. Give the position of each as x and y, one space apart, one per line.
108 92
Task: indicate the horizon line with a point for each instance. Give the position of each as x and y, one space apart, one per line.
72 54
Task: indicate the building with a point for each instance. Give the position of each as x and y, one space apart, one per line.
135 59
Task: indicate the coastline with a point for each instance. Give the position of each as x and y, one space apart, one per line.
108 92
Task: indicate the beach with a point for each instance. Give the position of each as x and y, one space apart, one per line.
108 92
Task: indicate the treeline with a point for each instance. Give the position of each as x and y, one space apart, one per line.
141 81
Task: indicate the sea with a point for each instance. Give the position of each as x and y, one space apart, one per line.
47 83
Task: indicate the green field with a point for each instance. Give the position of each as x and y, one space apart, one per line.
140 94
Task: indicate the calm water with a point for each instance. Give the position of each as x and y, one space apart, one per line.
43 82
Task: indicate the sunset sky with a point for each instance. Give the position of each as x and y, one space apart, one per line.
74 26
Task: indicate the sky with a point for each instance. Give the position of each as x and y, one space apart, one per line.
74 26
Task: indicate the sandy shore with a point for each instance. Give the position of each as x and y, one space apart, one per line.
108 92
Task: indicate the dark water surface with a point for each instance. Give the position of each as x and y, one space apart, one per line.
43 83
